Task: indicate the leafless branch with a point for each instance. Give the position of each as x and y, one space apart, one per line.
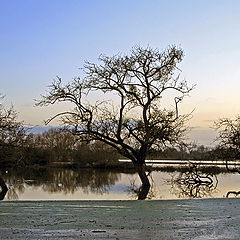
137 123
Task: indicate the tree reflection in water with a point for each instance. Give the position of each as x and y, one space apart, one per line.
60 180
68 181
141 193
193 184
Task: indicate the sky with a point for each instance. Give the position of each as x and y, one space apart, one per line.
42 39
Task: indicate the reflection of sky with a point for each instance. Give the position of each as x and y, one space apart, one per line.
118 188
42 39
161 189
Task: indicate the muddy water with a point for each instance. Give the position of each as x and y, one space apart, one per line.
89 184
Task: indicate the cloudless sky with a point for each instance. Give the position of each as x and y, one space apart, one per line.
40 39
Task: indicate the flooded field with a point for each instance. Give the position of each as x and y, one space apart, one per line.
90 184
165 219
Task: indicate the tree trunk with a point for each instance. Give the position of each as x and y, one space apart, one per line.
4 188
144 189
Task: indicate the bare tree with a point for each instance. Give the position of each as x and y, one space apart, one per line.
11 131
229 136
229 141
138 122
229 144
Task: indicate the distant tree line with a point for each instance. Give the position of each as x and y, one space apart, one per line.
57 146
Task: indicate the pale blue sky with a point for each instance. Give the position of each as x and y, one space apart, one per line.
40 39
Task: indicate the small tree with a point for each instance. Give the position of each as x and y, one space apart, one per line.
229 140
12 132
229 137
138 122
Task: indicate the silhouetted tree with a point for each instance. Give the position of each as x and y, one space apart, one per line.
12 136
229 141
139 121
229 137
11 131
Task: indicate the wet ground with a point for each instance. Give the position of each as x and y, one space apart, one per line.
163 219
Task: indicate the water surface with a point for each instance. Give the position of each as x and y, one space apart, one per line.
92 184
